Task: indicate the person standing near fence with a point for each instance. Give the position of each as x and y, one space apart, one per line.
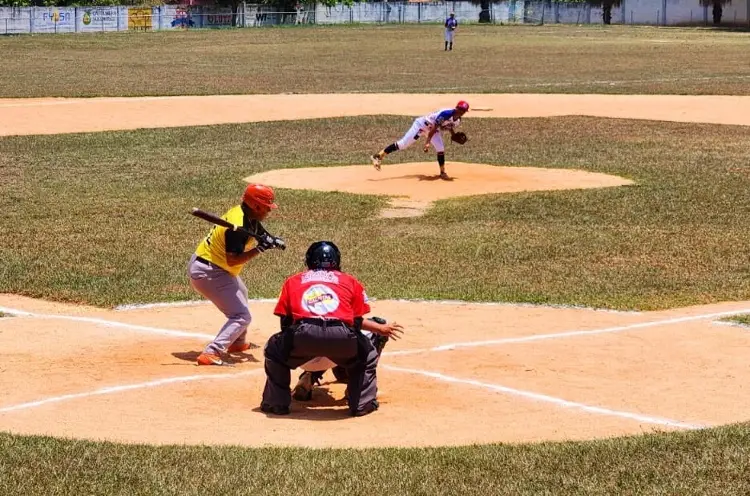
451 23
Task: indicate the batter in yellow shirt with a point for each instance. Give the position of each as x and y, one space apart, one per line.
215 266
221 240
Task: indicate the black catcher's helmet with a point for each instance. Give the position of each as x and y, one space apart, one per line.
323 255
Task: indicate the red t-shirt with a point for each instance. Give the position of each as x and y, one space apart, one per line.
326 294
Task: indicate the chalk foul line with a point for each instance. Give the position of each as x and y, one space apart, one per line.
440 348
647 419
541 337
123 388
109 323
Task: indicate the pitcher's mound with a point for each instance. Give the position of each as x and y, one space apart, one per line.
414 186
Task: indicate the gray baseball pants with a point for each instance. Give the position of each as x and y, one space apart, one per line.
287 350
229 294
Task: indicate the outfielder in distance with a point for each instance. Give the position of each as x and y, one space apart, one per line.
451 23
215 266
431 126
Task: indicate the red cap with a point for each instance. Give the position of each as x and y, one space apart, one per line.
463 105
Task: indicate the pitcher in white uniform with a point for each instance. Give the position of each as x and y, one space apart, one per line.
430 126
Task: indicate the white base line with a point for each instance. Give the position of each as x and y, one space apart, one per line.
550 399
140 306
109 323
119 389
445 347
540 337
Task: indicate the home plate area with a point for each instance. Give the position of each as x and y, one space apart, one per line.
521 372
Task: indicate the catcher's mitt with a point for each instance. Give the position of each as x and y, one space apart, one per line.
459 137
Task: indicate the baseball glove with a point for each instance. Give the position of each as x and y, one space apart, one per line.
459 137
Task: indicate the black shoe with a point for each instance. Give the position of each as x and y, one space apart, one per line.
340 373
276 410
374 405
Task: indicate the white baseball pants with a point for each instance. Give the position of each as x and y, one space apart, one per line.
418 129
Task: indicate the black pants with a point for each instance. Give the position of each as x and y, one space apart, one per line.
351 350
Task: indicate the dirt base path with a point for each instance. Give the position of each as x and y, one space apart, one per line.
466 373
70 115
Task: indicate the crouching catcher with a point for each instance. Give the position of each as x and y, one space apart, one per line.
321 312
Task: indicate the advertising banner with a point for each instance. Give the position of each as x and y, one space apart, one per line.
98 19
139 18
216 17
176 17
54 20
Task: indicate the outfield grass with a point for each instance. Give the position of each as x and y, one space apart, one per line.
703 462
515 59
103 218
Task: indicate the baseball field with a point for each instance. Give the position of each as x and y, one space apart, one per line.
575 299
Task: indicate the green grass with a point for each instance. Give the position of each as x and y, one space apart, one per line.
702 462
515 59
738 319
113 211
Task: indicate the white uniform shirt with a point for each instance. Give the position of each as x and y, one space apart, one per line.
443 119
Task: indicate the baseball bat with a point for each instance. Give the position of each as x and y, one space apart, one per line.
260 233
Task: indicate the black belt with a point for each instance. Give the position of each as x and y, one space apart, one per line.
323 322
206 262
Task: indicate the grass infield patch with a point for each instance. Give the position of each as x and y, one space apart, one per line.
103 218
393 58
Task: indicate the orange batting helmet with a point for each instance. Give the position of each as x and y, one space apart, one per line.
259 197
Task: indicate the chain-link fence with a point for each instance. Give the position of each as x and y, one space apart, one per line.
166 17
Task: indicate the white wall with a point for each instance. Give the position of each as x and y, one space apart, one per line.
643 11
13 21
737 11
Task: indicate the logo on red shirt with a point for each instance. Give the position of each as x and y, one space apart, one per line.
320 299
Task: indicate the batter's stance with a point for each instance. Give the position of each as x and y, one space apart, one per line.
321 312
430 126
215 266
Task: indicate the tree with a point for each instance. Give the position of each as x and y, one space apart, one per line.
485 12
606 6
717 8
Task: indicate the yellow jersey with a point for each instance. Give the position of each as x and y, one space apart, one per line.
221 240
